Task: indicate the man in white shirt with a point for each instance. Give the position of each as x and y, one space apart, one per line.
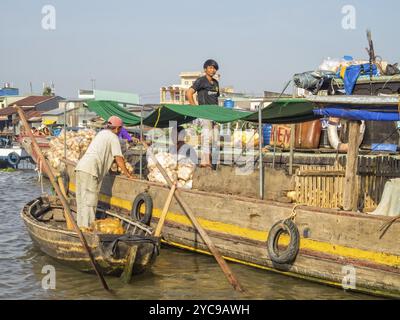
92 168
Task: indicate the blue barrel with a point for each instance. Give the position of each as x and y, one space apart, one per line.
267 133
229 103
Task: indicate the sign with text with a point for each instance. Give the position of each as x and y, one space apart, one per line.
282 136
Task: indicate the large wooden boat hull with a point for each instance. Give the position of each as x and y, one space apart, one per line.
65 246
337 248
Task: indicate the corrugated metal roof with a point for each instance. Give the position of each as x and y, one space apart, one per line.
32 101
8 111
57 112
33 114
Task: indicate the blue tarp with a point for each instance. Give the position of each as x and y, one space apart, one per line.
353 72
355 114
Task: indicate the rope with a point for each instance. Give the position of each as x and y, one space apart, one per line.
158 117
386 225
293 215
382 141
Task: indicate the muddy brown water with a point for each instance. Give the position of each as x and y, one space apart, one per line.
177 274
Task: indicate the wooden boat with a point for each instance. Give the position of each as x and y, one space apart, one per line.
337 248
10 152
46 225
43 142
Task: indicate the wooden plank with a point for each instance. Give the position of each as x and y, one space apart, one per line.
126 275
350 194
160 224
324 191
319 189
321 173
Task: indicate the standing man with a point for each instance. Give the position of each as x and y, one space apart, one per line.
92 168
207 89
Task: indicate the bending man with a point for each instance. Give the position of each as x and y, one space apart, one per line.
92 168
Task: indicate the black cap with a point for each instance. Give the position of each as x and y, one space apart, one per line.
211 62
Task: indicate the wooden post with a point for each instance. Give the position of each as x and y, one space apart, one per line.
292 137
161 222
351 192
260 153
275 142
126 275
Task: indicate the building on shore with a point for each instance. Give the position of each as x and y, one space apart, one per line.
38 103
33 106
250 102
69 111
9 95
176 93
7 90
124 98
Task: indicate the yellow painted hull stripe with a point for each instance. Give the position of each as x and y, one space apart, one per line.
307 244
286 273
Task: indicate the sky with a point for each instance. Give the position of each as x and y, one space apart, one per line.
139 46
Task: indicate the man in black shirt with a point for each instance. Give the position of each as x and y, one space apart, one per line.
207 89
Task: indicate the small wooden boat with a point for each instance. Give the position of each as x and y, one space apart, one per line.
47 227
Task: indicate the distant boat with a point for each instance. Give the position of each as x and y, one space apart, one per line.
10 152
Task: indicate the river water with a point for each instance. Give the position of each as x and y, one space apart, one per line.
176 274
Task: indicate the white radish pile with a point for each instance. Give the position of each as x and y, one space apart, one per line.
115 168
180 170
77 144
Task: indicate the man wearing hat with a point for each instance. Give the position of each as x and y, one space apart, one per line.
207 89
94 165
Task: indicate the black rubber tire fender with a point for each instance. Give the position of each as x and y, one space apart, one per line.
289 254
13 159
142 198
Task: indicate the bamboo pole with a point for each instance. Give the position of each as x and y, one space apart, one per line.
67 210
260 145
141 148
222 263
160 224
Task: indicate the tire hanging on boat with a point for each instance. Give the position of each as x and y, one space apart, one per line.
289 254
146 200
13 159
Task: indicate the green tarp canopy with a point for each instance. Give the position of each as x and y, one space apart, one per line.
286 111
106 109
161 117
281 111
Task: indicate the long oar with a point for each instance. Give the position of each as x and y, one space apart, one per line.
222 263
67 210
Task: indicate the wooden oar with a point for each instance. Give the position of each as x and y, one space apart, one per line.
222 263
67 210
160 224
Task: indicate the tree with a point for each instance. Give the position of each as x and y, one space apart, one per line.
47 91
